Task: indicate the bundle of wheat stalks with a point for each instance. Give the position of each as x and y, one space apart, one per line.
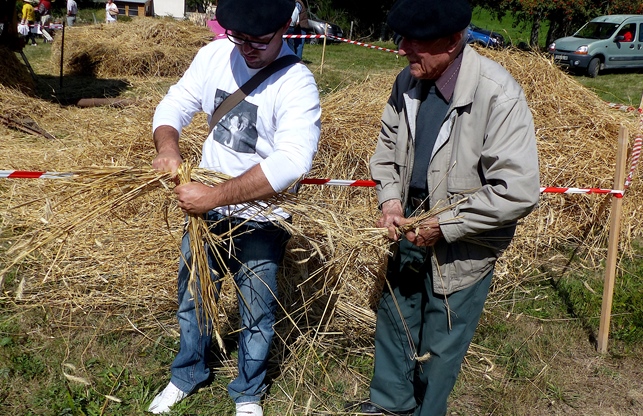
108 238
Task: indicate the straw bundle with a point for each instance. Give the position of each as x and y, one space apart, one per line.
145 47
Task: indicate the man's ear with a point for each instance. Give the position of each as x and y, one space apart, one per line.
455 41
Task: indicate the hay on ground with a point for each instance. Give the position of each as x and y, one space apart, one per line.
14 73
145 47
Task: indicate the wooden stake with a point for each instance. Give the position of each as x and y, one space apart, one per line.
612 247
62 52
321 67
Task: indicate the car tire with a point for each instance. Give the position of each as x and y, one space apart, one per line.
594 67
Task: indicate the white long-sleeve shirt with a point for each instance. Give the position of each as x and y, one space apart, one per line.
276 126
72 8
110 7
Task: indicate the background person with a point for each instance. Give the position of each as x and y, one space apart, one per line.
456 133
299 22
628 33
44 10
72 11
29 19
285 111
111 12
294 22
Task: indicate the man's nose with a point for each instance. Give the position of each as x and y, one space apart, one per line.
246 48
403 49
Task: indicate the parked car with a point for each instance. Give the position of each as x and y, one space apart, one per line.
606 42
318 27
479 36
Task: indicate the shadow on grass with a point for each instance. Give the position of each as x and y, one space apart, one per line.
565 292
77 87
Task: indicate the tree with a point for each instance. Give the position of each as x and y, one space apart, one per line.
367 16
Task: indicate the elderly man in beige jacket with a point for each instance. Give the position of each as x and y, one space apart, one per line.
457 139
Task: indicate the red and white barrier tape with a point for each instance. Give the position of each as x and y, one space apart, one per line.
352 42
636 154
337 182
304 36
366 45
556 190
24 174
28 174
622 107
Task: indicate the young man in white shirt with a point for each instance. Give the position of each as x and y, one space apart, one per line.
265 144
72 11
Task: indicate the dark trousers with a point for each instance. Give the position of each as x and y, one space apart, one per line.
400 381
296 44
31 37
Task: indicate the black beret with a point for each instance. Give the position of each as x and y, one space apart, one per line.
429 19
254 17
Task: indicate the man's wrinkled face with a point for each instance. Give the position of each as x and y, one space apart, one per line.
429 58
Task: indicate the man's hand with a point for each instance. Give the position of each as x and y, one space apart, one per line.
426 235
392 217
168 159
194 197
167 162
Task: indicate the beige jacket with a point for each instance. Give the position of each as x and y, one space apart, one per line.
486 151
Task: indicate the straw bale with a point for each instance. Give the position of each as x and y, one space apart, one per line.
14 73
144 47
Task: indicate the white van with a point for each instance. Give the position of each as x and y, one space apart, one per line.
606 42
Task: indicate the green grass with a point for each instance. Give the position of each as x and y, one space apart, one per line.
345 64
514 33
621 87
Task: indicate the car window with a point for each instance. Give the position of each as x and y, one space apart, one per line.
596 30
628 32
641 32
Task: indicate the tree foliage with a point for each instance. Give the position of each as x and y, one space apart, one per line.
564 16
367 16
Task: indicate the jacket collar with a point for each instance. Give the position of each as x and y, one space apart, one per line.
466 85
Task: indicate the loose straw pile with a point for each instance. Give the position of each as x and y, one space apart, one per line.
144 47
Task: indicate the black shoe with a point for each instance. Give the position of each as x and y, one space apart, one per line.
368 408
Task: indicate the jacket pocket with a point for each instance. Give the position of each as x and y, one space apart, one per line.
464 264
463 185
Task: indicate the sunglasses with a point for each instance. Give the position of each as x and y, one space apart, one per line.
262 46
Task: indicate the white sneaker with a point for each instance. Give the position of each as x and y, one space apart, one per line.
249 409
170 396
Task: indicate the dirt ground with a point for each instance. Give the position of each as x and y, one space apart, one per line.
571 377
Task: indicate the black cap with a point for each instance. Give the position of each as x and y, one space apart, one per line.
429 19
254 17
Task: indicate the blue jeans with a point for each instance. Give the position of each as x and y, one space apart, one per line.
257 250
296 44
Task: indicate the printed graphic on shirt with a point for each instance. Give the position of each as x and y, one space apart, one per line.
237 129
